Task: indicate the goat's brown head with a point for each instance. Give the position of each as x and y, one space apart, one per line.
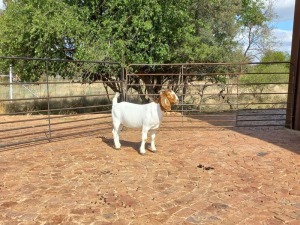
166 99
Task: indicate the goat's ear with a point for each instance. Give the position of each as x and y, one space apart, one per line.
170 95
164 101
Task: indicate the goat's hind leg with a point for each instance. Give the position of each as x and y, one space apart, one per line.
116 131
153 134
144 139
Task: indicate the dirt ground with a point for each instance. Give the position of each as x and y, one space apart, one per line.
198 176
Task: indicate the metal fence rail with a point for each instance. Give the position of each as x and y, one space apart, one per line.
62 99
51 99
219 94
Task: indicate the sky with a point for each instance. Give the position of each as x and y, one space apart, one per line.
283 24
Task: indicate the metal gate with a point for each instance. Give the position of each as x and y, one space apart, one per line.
49 99
216 94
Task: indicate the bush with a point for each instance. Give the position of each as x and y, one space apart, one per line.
263 77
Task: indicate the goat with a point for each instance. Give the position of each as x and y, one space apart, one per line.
147 116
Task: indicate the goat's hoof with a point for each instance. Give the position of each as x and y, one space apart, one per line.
142 152
152 149
118 147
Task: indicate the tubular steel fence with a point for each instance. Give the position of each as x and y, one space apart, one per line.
54 99
59 99
219 94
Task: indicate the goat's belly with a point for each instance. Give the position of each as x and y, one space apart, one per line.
131 125
136 123
132 122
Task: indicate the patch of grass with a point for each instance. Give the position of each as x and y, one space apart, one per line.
2 107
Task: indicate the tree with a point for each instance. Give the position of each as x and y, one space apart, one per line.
255 31
262 77
135 31
41 29
212 29
275 56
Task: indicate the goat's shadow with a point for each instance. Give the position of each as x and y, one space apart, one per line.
124 143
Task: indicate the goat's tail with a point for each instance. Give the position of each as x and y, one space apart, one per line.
115 99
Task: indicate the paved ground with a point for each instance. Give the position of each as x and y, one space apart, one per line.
239 176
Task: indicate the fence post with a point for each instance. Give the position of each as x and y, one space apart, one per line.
125 82
238 95
10 83
182 96
48 101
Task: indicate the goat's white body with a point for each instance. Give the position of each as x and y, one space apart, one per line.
137 116
148 117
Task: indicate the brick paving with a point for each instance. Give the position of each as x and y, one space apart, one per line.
216 176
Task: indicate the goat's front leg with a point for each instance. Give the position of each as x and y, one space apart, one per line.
153 134
144 139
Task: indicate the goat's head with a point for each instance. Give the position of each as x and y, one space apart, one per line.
167 98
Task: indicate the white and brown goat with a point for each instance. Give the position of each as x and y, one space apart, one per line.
147 116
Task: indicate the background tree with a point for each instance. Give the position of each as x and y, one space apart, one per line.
41 29
136 31
255 29
275 56
212 30
261 77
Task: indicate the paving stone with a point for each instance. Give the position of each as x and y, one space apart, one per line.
230 176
